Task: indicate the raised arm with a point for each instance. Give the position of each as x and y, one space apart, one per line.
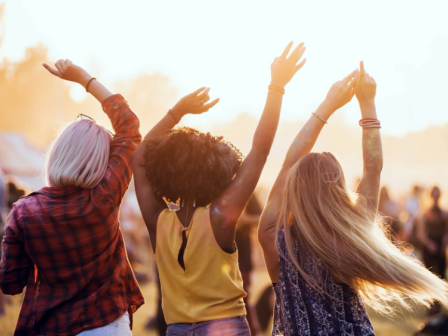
339 95
150 205
124 122
227 208
372 153
65 69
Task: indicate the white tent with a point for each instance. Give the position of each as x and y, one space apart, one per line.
21 160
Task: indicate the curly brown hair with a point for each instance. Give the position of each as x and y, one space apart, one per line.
188 164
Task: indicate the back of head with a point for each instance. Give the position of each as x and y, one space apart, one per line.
335 226
188 164
79 155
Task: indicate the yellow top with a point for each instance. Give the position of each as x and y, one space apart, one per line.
211 286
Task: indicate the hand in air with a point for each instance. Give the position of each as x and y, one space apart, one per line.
65 69
284 68
342 91
194 103
365 87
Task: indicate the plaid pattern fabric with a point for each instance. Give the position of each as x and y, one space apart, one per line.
65 245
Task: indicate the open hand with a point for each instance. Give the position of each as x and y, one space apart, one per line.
194 103
365 87
65 69
284 68
342 91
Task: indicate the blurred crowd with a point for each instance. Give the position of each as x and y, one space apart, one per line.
416 221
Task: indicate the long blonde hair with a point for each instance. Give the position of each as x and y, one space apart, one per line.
79 155
334 225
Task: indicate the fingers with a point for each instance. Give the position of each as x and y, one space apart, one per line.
297 53
208 106
287 49
354 79
204 97
60 65
361 67
347 79
195 93
68 62
300 65
51 70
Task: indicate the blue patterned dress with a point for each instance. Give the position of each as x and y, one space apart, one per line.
301 310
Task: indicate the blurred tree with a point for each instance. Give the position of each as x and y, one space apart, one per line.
38 104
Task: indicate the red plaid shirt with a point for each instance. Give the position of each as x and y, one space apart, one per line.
65 245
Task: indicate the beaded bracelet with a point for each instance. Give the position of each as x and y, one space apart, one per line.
369 123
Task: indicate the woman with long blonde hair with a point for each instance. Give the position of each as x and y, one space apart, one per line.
325 248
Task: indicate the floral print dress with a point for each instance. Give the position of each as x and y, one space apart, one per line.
301 310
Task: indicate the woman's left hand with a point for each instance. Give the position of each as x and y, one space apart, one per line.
342 92
194 103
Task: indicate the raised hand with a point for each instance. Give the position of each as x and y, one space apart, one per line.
65 69
342 91
284 68
194 103
365 87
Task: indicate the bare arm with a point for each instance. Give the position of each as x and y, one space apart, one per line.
372 153
339 95
65 69
150 204
227 208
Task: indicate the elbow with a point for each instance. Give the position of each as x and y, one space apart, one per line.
265 238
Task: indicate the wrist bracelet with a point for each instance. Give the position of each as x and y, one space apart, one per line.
276 92
370 123
172 115
322 119
276 88
88 83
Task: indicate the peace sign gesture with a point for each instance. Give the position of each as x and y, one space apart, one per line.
194 103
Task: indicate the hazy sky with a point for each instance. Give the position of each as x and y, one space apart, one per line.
229 46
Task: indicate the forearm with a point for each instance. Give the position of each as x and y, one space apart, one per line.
98 90
307 137
267 127
164 125
95 88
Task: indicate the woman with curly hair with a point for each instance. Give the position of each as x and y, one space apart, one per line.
196 256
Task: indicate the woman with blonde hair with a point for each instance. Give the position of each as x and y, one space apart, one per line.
325 249
63 242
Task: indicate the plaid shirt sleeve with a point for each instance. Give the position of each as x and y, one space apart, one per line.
127 136
15 264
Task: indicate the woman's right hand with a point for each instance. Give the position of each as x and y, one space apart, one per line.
284 68
194 103
365 87
65 69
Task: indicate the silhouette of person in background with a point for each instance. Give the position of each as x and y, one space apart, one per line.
433 234
391 210
412 208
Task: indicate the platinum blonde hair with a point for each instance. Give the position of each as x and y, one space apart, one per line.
334 225
78 156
